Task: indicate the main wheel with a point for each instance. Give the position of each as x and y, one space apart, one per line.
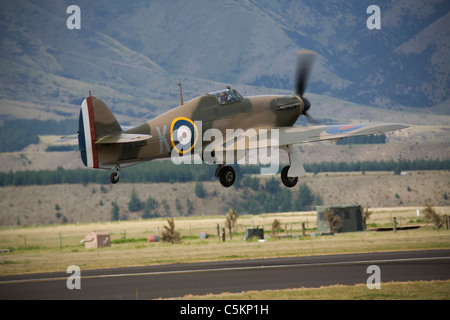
288 181
227 176
114 177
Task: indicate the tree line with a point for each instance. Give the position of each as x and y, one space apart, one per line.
371 139
384 165
269 196
166 171
17 134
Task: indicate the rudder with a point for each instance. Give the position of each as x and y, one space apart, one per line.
96 120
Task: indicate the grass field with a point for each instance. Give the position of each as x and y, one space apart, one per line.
53 248
417 290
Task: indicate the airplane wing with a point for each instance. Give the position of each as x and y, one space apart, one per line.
298 135
285 137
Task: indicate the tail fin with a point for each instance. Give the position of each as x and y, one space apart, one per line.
96 120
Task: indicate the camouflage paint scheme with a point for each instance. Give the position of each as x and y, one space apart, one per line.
104 144
252 112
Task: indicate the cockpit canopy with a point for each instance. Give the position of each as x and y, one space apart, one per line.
227 96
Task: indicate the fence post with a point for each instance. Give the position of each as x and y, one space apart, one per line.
395 224
303 229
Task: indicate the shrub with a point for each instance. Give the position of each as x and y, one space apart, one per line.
431 215
169 234
365 215
334 220
230 220
276 226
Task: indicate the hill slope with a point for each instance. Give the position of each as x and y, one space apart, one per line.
50 204
134 54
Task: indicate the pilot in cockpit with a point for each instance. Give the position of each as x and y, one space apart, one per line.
223 97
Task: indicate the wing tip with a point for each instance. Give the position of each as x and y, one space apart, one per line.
401 126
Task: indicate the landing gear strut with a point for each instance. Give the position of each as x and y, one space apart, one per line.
295 167
226 175
114 177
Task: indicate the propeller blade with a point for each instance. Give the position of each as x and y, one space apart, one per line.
312 120
305 61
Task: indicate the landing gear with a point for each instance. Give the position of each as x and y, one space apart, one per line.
208 158
288 181
295 167
226 175
114 177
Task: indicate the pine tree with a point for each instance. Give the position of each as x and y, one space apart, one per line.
199 190
135 203
150 208
305 198
115 212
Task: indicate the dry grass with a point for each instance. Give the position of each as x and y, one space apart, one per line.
418 290
35 249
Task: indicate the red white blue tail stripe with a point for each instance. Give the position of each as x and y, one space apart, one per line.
87 136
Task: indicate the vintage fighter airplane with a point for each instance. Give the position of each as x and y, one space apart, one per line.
104 144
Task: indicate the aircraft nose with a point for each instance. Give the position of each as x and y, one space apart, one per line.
306 104
287 103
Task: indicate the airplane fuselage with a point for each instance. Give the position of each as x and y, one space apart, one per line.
266 111
199 126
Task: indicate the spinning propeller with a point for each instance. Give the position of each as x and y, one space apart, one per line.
305 62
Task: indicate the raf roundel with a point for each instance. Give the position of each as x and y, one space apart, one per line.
183 134
343 129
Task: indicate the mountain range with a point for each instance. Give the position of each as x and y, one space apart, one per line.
133 54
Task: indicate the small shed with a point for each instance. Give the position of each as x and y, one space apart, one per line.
97 239
350 215
258 233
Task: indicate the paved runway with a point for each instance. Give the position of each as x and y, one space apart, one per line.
177 280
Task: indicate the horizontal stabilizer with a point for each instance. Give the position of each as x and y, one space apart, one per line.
74 136
121 137
67 138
